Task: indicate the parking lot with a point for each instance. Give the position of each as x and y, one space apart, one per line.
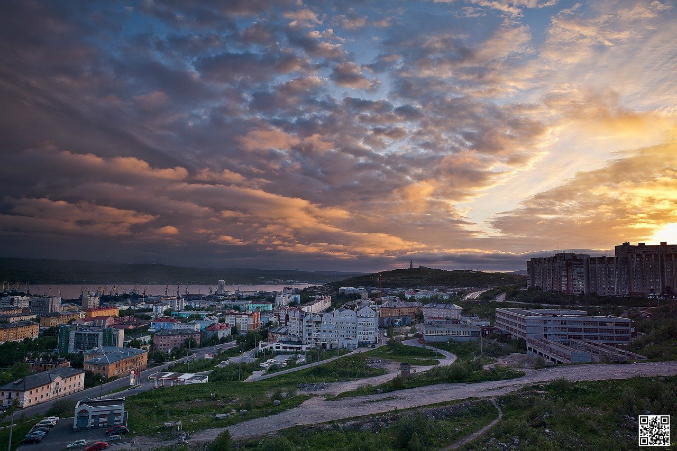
62 434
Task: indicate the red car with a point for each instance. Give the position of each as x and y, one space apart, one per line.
97 446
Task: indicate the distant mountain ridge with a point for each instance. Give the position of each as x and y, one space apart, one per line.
49 271
430 277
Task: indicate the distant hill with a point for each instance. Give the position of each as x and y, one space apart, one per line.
429 277
39 271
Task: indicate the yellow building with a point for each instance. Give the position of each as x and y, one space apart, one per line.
112 361
18 331
57 319
102 311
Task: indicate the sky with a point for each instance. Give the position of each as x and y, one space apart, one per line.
336 135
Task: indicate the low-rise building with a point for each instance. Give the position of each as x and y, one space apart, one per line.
57 319
564 325
18 331
441 312
102 311
390 309
166 323
220 330
169 379
243 321
99 413
110 361
166 340
42 387
18 317
47 363
443 331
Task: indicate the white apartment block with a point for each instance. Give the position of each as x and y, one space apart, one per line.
342 328
320 304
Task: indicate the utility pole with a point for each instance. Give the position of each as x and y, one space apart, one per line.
11 428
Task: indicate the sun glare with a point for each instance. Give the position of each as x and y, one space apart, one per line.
667 233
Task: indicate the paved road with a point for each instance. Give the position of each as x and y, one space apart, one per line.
317 410
117 384
473 296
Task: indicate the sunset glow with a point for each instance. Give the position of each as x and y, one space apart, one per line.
327 135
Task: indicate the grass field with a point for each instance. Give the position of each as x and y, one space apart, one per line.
579 416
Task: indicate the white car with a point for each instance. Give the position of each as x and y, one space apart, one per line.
77 444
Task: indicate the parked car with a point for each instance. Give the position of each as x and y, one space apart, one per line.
77 444
43 429
114 437
33 438
120 429
47 423
53 418
97 446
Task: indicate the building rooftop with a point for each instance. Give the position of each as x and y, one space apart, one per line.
165 332
40 379
17 324
545 312
101 402
111 354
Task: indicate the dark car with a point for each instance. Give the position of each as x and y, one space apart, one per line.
118 430
40 429
32 438
97 446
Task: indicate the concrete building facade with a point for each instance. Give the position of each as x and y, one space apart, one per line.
42 387
563 325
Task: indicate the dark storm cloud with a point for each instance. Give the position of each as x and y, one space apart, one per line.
263 131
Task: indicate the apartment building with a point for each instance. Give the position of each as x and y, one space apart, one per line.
57 319
391 309
341 328
81 338
111 361
18 331
167 323
635 270
320 304
42 387
646 269
243 321
563 325
42 305
166 340
102 311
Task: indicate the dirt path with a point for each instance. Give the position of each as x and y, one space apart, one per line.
465 440
317 410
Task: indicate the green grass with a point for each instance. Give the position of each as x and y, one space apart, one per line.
407 354
21 428
416 429
196 405
467 371
578 416
343 369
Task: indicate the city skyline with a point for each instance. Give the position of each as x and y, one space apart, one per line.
329 136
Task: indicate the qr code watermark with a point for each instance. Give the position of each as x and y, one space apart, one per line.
654 430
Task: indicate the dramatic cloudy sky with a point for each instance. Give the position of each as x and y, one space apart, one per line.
348 135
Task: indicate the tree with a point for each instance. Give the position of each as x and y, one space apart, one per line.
224 442
135 343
